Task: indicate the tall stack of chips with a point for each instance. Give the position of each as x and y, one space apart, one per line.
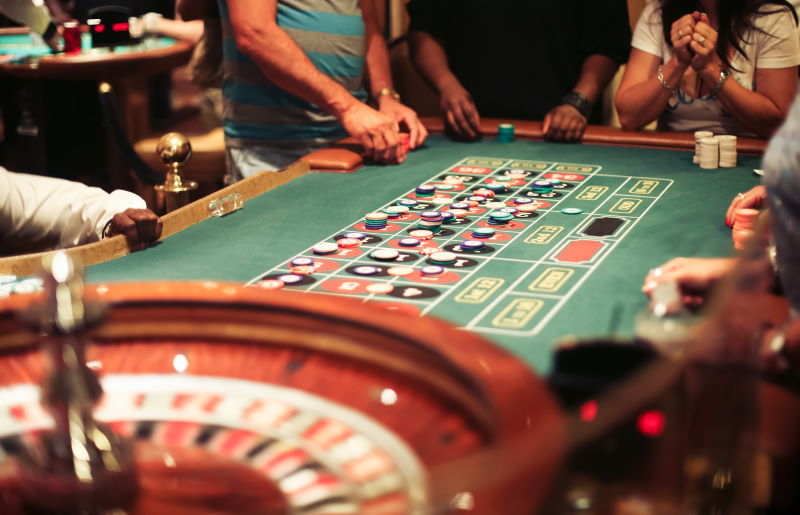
505 133
431 220
727 151
425 191
375 221
698 135
709 153
744 220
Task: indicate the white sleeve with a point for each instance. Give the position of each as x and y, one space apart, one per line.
648 35
779 43
38 208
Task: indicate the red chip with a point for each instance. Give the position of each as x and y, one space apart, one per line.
303 270
349 243
405 140
271 284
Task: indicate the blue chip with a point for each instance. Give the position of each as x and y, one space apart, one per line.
472 245
477 198
523 200
302 261
409 242
511 210
407 202
430 214
432 270
356 235
366 270
425 189
448 216
460 205
290 279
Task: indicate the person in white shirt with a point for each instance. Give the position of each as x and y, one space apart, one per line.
42 213
732 69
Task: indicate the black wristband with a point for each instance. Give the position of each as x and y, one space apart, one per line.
579 102
50 31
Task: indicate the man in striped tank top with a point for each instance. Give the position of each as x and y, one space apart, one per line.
296 75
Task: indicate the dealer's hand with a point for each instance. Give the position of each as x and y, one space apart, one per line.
755 198
695 277
140 227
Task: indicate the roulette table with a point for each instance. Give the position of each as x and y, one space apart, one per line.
291 380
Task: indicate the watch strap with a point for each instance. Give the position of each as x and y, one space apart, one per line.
579 102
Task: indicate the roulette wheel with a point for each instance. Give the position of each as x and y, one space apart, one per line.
236 400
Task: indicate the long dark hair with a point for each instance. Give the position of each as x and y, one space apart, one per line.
735 19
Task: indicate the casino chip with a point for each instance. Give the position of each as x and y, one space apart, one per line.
349 243
356 235
472 245
400 271
421 234
365 270
384 254
408 242
303 270
302 261
432 270
290 279
325 248
494 205
572 211
271 284
380 288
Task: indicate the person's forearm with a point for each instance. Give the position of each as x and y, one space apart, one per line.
190 31
430 60
284 63
755 111
640 104
191 9
378 72
596 73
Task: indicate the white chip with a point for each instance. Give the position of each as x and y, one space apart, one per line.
385 254
400 271
397 209
441 200
444 257
325 248
494 205
421 234
380 288
7 278
459 213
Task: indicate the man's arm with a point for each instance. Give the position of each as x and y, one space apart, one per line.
37 209
379 77
566 122
258 36
430 60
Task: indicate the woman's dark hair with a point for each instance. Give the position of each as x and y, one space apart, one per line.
735 19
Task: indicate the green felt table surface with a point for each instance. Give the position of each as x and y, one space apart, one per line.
22 46
684 216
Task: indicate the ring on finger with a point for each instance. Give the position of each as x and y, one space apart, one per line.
740 196
681 35
701 40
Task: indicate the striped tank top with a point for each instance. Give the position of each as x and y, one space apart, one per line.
257 112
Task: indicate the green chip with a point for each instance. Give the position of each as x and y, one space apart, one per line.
572 211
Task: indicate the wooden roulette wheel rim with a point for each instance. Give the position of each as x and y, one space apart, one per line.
477 419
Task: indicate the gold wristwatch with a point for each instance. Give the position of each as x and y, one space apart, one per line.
387 91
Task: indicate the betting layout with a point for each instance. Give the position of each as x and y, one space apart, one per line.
496 245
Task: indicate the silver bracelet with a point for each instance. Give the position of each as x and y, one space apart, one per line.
723 76
662 81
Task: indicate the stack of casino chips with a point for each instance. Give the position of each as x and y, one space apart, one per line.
443 258
407 202
499 217
516 173
471 245
505 133
727 151
497 188
375 221
394 212
477 199
431 221
425 191
699 135
482 232
744 221
542 186
709 153
483 192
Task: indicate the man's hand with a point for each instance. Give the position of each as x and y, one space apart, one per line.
404 115
755 198
460 111
140 227
564 123
695 277
378 133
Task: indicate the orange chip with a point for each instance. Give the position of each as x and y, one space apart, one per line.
303 270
